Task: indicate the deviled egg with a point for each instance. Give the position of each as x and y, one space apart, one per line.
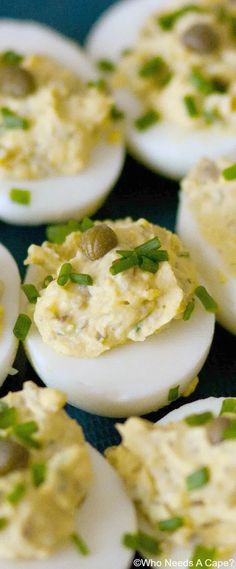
9 308
174 76
206 224
180 473
110 310
61 150
55 489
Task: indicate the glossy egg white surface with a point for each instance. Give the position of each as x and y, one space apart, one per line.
210 265
132 379
10 300
210 404
105 515
64 197
164 147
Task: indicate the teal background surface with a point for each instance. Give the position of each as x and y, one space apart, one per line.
138 193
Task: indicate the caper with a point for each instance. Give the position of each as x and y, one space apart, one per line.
97 241
200 38
16 81
13 456
216 428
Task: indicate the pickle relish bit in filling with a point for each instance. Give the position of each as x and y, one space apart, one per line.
45 473
170 473
100 285
49 119
182 66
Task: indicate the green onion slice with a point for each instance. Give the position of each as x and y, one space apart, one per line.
203 556
3 523
191 106
80 544
12 120
106 65
20 196
8 415
39 471
171 524
189 310
228 406
230 173
141 542
22 326
64 274
147 120
11 57
81 279
168 21
206 299
196 420
173 393
24 432
31 292
198 478
16 495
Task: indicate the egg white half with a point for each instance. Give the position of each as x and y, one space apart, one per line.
132 379
211 404
165 147
63 197
209 264
101 522
10 300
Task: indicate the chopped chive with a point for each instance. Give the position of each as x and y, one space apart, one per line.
125 253
141 542
22 326
203 556
173 393
47 281
230 431
80 544
151 67
228 406
147 120
81 279
8 416
230 173
20 196
106 65
3 523
168 21
146 264
198 478
11 57
12 120
171 524
124 264
39 471
16 494
148 246
58 233
31 292
99 84
24 432
64 274
191 106
206 299
160 255
116 114
199 419
206 85
189 310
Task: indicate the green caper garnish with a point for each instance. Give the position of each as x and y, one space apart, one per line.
200 38
97 241
13 456
16 81
216 428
